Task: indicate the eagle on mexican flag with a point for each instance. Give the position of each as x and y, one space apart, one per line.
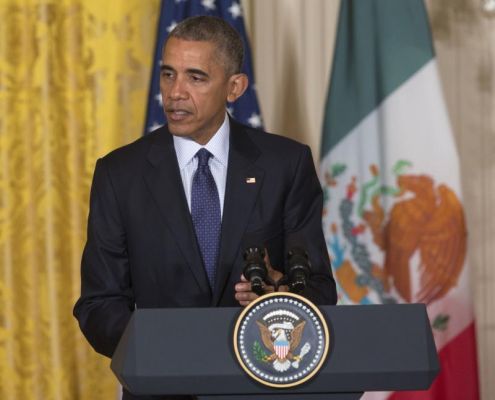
393 216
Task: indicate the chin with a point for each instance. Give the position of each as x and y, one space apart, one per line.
179 131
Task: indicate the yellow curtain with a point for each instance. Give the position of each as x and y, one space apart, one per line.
74 79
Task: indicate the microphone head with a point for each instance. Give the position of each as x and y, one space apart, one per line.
253 252
298 268
255 270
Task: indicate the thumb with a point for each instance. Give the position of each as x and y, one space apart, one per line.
267 260
274 274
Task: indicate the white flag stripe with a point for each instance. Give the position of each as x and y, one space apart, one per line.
411 124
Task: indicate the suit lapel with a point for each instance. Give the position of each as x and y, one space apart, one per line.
165 184
240 196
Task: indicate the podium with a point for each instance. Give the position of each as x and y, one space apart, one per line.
190 351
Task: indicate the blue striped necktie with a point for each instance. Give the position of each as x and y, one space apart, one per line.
205 212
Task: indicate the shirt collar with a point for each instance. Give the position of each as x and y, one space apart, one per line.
218 145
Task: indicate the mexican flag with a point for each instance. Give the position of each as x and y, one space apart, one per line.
393 218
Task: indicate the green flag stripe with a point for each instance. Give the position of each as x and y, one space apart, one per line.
380 44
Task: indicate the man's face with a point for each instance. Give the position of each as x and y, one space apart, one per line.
194 88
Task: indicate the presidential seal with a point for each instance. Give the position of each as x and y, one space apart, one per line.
281 340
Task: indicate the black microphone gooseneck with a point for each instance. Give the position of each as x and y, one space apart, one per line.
298 269
255 270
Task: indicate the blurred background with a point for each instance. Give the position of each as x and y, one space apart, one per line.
74 84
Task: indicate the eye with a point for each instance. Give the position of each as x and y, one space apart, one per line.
197 78
167 74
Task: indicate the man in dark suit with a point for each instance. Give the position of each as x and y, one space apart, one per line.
169 213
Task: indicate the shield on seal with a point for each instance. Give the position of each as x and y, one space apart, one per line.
281 347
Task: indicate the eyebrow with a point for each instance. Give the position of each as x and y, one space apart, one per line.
195 71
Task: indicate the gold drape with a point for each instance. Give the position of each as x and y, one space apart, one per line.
73 85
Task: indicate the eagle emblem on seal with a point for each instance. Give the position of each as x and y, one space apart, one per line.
281 333
281 339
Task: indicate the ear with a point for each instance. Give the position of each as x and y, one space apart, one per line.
238 84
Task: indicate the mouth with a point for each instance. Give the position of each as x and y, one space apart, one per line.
176 114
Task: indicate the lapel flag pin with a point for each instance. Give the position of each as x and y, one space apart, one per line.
250 180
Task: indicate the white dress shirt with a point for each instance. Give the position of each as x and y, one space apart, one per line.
218 146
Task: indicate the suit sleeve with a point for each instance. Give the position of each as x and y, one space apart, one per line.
106 301
303 220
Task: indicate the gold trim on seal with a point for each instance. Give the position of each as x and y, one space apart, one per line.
313 308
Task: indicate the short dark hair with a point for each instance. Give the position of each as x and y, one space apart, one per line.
205 28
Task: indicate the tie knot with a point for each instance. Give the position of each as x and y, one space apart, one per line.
203 157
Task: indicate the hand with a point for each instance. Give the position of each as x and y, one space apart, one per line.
243 293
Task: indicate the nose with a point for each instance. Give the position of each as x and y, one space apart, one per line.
177 89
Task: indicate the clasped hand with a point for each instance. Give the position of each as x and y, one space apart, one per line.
243 293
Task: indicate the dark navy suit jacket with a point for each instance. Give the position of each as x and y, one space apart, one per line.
141 249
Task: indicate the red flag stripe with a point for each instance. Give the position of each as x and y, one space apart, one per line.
458 378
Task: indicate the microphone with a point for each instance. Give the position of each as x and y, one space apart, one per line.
255 270
298 269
